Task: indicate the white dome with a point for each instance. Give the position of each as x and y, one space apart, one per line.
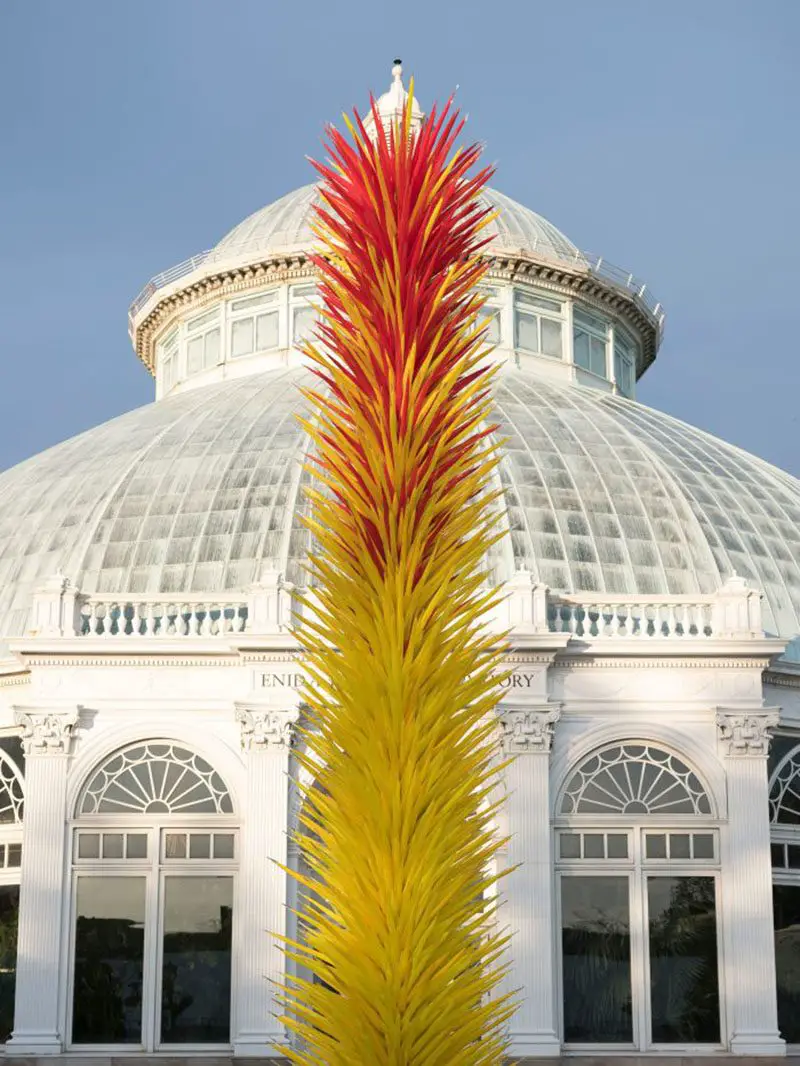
202 492
285 226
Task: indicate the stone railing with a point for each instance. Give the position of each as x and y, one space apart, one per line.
60 609
733 612
527 609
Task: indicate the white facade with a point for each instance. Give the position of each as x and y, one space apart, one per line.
150 684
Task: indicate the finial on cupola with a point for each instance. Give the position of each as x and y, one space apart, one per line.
390 105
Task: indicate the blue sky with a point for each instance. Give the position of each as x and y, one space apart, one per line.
662 134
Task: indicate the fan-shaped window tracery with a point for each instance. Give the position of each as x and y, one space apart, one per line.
11 794
784 793
634 779
155 778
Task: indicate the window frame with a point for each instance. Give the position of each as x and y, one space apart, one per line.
599 330
540 312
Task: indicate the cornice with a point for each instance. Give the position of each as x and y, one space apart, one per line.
609 662
559 277
782 680
146 661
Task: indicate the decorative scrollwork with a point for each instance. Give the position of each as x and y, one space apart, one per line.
634 779
157 777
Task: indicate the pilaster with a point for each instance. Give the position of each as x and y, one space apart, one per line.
528 735
267 735
747 883
46 739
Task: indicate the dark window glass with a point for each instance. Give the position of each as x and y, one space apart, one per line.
570 846
617 846
9 911
109 947
596 947
679 847
684 986
14 857
594 846
12 746
196 970
794 856
778 857
656 846
786 912
703 844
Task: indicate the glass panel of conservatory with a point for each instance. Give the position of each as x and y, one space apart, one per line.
196 964
786 913
9 912
109 954
267 331
303 324
194 355
212 348
684 982
527 330
551 338
241 338
596 946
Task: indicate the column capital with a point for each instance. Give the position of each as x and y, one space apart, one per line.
264 728
46 731
746 733
529 730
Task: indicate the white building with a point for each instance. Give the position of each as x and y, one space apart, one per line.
149 683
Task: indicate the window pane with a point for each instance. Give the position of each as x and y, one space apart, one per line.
303 290
551 338
267 332
679 846
684 988
793 855
525 299
109 951
595 937
14 857
112 845
303 324
212 348
598 357
241 338
592 322
786 912
594 846
195 324
703 844
9 910
581 349
656 846
778 857
570 846
136 846
175 846
194 355
527 331
255 301
617 846
223 845
200 846
196 971
89 846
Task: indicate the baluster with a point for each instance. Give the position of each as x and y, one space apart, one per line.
172 615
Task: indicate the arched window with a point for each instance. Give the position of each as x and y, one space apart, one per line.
156 778
784 814
154 854
12 798
637 855
634 779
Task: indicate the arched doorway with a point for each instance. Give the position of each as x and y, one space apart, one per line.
154 865
637 860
